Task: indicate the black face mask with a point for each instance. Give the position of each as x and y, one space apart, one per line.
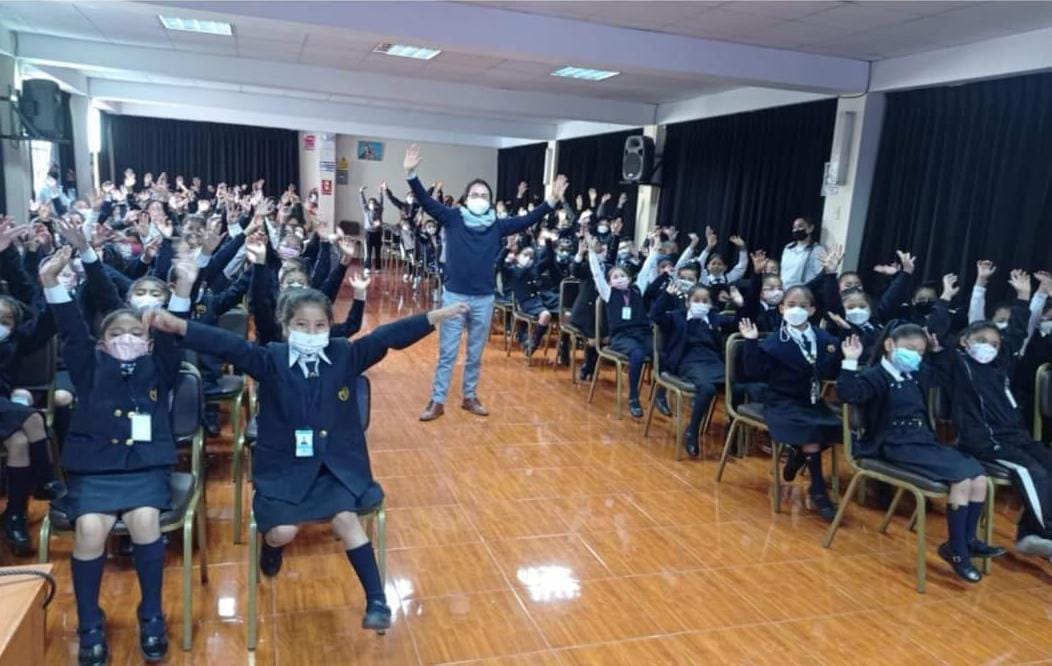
799 234
923 308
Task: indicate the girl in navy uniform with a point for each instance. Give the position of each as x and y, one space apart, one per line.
793 362
117 457
693 349
311 460
582 315
626 319
989 424
524 273
894 391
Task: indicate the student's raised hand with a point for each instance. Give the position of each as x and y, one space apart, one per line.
887 269
736 297
438 316
738 242
53 265
711 239
412 158
907 262
985 270
759 260
345 246
558 188
831 260
606 197
150 250
838 320
622 200
359 284
949 286
748 329
203 206
164 321
74 235
934 346
1020 281
693 239
851 348
1045 278
164 225
8 232
256 248
212 238
592 194
186 271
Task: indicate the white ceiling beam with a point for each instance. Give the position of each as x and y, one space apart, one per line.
730 102
70 80
405 91
317 115
556 40
1003 56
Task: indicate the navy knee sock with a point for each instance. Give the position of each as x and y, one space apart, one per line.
149 565
814 467
957 525
40 462
363 559
975 510
63 416
87 579
19 486
590 357
635 371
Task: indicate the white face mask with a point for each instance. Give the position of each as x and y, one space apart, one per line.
700 310
1046 327
1001 325
773 297
857 316
795 316
478 206
4 332
146 302
410 199
983 352
603 229
308 344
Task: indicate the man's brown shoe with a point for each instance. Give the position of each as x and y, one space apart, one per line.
432 411
475 407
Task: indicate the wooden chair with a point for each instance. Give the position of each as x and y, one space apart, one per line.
568 290
673 385
922 489
376 517
1042 399
188 500
619 360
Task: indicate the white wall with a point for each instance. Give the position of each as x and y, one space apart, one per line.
453 165
18 183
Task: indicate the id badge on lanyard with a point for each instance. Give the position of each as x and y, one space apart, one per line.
626 311
812 360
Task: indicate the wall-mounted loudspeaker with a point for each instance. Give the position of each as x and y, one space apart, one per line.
638 160
41 105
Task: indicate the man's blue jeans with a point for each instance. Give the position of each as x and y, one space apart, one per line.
477 323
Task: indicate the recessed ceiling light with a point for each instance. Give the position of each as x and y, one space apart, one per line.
584 73
197 25
404 51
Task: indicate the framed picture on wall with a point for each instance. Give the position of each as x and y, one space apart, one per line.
371 150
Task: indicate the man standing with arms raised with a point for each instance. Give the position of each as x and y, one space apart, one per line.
473 239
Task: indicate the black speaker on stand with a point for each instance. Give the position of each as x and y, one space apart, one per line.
40 105
637 164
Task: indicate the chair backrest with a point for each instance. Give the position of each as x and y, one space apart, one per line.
1042 398
365 396
568 290
351 228
659 344
851 423
235 320
36 371
733 349
187 411
600 309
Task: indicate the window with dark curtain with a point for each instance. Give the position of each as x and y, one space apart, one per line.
748 174
964 173
521 163
595 161
216 152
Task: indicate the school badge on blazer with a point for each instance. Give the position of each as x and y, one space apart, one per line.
831 349
201 308
153 394
344 394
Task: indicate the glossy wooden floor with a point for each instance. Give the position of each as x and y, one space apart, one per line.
553 533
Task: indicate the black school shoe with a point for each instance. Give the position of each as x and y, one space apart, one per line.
984 550
662 405
635 409
17 535
96 654
377 616
583 375
153 638
690 444
962 566
50 491
270 559
824 507
212 426
794 462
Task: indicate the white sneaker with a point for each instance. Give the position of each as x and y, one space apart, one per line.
405 278
1032 544
366 272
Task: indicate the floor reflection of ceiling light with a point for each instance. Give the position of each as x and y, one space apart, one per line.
400 589
550 582
227 607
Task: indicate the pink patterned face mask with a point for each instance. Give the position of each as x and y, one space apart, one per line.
286 252
126 347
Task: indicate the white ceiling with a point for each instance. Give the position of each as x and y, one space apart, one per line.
491 83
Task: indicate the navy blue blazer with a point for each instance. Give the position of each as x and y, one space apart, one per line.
670 315
782 365
326 405
99 438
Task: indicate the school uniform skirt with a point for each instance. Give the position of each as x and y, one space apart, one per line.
532 306
625 342
116 492
917 451
795 423
12 416
326 498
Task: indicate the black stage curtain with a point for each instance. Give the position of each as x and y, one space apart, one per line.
517 164
595 161
964 173
66 158
216 152
749 174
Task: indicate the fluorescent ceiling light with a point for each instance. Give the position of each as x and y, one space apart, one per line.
197 25
584 73
404 51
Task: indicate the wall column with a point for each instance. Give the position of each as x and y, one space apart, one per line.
649 195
